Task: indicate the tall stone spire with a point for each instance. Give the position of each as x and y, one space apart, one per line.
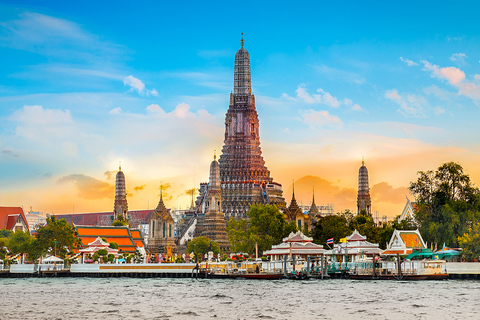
245 180
364 201
214 226
120 206
313 212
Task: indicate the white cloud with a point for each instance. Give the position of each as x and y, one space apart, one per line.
459 57
117 110
38 115
155 109
139 86
134 83
456 78
328 99
410 104
316 119
409 63
321 97
37 123
356 107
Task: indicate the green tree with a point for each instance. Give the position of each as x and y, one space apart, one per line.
201 246
331 226
59 232
239 236
448 203
121 221
266 226
470 242
113 245
4 233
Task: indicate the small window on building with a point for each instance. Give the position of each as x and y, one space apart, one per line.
299 224
170 230
306 226
164 230
153 228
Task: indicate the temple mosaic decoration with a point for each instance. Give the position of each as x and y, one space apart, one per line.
245 180
364 201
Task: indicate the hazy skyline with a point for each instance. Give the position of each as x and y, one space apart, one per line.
86 85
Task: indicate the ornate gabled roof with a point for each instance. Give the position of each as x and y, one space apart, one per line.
98 242
297 237
9 217
161 212
356 236
294 210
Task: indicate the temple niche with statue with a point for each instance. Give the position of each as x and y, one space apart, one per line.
245 180
161 230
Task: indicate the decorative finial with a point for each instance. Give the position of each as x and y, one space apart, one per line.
161 190
214 154
293 186
120 166
242 42
363 160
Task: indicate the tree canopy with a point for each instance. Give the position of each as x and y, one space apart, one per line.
266 226
201 245
59 232
447 203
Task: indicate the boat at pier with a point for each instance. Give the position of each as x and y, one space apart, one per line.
425 269
240 270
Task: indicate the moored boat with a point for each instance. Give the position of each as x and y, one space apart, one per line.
425 269
242 270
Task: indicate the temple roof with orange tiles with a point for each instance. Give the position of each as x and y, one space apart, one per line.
127 239
404 242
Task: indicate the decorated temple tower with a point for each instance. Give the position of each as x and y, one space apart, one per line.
363 198
120 206
245 180
214 226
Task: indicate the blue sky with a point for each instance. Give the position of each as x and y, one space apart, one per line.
86 85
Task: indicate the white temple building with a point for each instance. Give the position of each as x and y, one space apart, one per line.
296 245
355 247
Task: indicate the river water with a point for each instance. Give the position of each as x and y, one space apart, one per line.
158 298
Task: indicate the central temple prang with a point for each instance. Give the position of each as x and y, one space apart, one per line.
245 180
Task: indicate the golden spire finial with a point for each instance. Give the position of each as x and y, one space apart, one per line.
214 154
161 190
242 42
120 166
363 160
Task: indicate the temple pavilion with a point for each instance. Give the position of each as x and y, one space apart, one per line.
296 245
355 247
404 242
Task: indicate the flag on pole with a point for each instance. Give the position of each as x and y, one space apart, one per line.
435 247
343 240
330 241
